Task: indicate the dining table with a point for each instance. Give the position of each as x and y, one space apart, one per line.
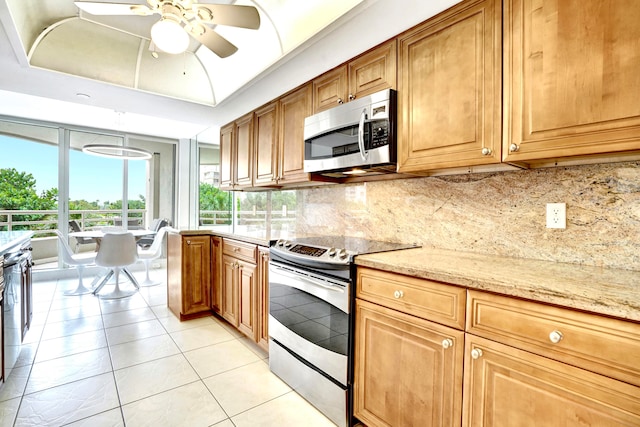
98 234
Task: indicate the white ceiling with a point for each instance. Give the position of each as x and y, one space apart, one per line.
49 53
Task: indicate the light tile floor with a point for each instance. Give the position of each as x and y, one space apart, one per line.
131 362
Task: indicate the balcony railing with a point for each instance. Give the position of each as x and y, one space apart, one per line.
11 220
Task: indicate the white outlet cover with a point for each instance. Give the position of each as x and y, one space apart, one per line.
556 215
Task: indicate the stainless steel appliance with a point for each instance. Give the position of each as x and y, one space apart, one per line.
356 137
311 299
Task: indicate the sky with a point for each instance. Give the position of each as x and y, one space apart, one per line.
91 177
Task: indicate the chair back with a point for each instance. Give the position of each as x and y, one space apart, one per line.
156 246
117 250
67 252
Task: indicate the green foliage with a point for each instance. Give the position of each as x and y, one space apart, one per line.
213 199
18 192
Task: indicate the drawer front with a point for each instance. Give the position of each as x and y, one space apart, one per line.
600 344
429 300
240 250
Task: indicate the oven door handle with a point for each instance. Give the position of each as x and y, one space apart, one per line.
324 285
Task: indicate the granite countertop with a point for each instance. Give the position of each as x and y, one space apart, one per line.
611 292
10 239
256 240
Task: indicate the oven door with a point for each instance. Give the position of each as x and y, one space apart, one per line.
309 315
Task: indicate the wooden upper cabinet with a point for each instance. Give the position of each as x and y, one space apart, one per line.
236 153
371 72
265 163
571 78
227 162
293 108
449 89
244 151
330 89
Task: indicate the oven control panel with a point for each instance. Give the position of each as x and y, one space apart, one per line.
318 253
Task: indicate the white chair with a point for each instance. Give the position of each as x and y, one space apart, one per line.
80 262
117 251
149 254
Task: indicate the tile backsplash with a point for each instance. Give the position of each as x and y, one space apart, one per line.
500 213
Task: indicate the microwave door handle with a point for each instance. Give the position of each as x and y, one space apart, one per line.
363 117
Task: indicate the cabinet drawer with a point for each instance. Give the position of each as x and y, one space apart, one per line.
600 344
240 250
433 301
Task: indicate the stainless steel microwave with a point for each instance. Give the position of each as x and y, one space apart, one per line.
352 138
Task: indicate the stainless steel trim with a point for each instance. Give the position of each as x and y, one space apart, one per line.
328 397
308 282
348 114
363 117
333 364
376 156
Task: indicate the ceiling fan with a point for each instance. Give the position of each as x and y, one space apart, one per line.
180 19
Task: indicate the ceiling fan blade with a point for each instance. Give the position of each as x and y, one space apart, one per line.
230 15
215 43
95 8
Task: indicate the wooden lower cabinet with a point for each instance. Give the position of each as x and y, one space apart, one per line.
508 387
518 363
189 275
262 336
229 290
245 300
404 375
216 274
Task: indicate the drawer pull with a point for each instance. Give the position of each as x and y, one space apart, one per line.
555 337
446 343
398 294
476 353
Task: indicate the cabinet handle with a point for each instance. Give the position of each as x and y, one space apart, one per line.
513 148
236 249
476 353
486 151
340 101
188 242
446 343
555 337
351 97
398 294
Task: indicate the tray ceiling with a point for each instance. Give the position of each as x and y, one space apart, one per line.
56 36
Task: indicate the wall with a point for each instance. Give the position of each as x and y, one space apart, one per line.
495 213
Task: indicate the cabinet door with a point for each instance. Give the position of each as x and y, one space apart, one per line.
227 162
196 271
216 274
374 71
266 145
244 151
449 89
404 376
571 78
230 290
330 89
247 309
293 108
507 387
263 298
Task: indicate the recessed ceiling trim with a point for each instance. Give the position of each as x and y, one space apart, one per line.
45 33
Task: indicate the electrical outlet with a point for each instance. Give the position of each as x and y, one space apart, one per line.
556 215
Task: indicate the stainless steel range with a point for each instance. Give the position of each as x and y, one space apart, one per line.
311 298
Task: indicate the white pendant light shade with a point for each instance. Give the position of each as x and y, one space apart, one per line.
169 36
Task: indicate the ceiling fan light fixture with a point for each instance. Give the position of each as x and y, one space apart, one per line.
169 36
